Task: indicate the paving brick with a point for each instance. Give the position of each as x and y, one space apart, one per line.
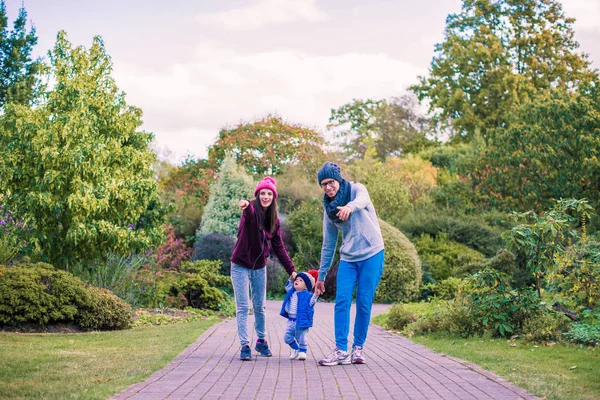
396 369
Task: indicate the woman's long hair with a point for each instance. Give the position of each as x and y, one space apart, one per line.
267 219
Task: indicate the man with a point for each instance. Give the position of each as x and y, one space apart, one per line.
348 208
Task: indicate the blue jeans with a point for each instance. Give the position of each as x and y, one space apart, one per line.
366 274
244 280
296 338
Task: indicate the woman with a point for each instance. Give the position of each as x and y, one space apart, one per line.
259 229
348 208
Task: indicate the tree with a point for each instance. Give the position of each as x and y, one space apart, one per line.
266 145
187 188
550 151
496 54
222 213
392 127
19 81
77 169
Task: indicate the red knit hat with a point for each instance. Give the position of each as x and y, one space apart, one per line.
267 183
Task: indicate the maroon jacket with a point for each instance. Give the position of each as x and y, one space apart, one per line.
254 244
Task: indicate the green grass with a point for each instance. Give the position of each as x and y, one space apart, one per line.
89 365
546 371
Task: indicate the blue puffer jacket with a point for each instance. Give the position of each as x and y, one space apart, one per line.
305 313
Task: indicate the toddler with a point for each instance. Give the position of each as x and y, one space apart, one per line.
298 308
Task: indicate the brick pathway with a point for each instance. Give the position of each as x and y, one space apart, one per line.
396 369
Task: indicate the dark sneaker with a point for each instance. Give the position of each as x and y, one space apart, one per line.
337 357
246 354
263 348
357 355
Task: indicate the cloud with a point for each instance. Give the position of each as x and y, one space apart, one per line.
185 105
264 12
586 13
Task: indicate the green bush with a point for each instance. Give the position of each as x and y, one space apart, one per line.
469 231
504 262
203 286
105 312
449 316
306 223
546 325
447 289
442 257
215 246
276 278
584 334
38 294
399 317
401 277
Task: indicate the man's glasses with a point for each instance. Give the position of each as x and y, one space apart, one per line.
328 183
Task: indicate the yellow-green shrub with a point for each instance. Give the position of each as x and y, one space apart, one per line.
105 312
401 277
39 294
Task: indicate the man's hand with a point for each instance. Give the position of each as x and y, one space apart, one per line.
344 213
243 204
320 288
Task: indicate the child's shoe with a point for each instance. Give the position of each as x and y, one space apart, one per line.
294 354
302 356
246 354
263 348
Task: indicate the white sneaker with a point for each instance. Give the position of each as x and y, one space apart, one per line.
302 356
336 357
294 354
357 355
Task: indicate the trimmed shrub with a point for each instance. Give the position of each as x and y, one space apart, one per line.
215 246
401 277
399 317
40 295
447 289
105 312
442 257
465 230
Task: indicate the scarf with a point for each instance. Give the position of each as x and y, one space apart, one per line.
341 199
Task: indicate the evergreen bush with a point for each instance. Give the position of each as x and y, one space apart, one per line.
401 277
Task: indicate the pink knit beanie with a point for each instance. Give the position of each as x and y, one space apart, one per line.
267 183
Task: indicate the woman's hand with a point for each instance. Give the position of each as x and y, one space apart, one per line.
243 204
344 213
320 288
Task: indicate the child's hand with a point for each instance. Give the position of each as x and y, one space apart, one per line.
293 276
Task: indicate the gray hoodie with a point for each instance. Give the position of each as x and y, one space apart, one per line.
361 235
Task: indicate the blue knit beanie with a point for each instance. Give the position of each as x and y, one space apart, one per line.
330 170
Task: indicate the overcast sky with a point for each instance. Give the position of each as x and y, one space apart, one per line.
195 66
